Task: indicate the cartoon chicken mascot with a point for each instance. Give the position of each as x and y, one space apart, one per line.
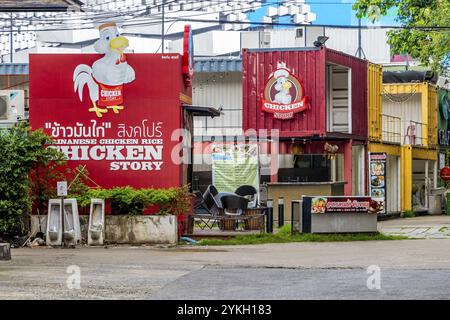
283 85
107 76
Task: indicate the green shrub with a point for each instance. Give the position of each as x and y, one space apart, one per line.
22 153
409 214
128 200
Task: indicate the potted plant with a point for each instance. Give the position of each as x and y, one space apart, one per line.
182 206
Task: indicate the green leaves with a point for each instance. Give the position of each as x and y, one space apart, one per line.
127 200
21 152
430 46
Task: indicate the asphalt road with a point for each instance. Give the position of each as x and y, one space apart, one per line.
268 283
409 269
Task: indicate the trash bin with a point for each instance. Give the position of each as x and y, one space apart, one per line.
436 200
5 251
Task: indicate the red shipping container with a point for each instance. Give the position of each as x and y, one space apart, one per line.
309 67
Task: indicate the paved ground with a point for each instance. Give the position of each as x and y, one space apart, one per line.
409 269
425 227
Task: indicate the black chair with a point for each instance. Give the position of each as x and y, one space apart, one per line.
212 190
250 193
233 208
233 202
207 208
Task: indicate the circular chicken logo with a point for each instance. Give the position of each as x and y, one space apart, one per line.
284 94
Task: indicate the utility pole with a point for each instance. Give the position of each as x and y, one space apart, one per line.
11 47
360 52
162 26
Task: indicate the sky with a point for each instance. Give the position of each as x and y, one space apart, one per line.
330 12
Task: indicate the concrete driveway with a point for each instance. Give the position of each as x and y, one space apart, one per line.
424 227
410 269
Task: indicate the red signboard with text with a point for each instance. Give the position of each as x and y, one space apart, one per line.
115 117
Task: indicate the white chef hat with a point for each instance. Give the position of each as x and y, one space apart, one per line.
282 71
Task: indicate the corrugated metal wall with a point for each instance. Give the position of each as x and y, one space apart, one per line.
358 88
374 42
432 115
219 90
409 110
308 66
413 102
375 86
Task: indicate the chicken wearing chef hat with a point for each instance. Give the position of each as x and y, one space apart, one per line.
107 76
283 85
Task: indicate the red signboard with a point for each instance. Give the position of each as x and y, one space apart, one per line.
284 94
118 122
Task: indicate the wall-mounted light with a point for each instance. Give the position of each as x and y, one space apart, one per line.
320 41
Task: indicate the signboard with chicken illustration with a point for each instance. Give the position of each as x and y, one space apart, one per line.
118 113
106 79
284 94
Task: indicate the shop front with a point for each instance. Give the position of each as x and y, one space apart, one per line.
443 130
407 131
312 105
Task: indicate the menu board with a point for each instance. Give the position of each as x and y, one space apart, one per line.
342 205
377 179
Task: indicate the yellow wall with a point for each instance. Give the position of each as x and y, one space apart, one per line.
375 85
429 105
390 149
406 178
432 116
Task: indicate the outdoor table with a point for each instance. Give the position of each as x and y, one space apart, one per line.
219 196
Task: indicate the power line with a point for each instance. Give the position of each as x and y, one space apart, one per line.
156 17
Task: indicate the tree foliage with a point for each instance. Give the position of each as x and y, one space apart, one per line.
430 46
22 151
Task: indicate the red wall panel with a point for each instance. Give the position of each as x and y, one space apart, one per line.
152 99
308 66
359 89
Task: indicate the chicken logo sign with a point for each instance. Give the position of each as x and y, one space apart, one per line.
107 76
284 94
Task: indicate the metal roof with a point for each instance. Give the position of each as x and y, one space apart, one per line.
200 111
201 65
14 69
218 65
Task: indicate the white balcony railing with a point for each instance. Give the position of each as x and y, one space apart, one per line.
403 132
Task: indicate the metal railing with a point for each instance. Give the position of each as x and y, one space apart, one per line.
394 130
391 129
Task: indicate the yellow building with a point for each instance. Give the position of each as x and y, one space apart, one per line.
403 124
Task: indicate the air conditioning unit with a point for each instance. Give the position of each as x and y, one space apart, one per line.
12 106
266 39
